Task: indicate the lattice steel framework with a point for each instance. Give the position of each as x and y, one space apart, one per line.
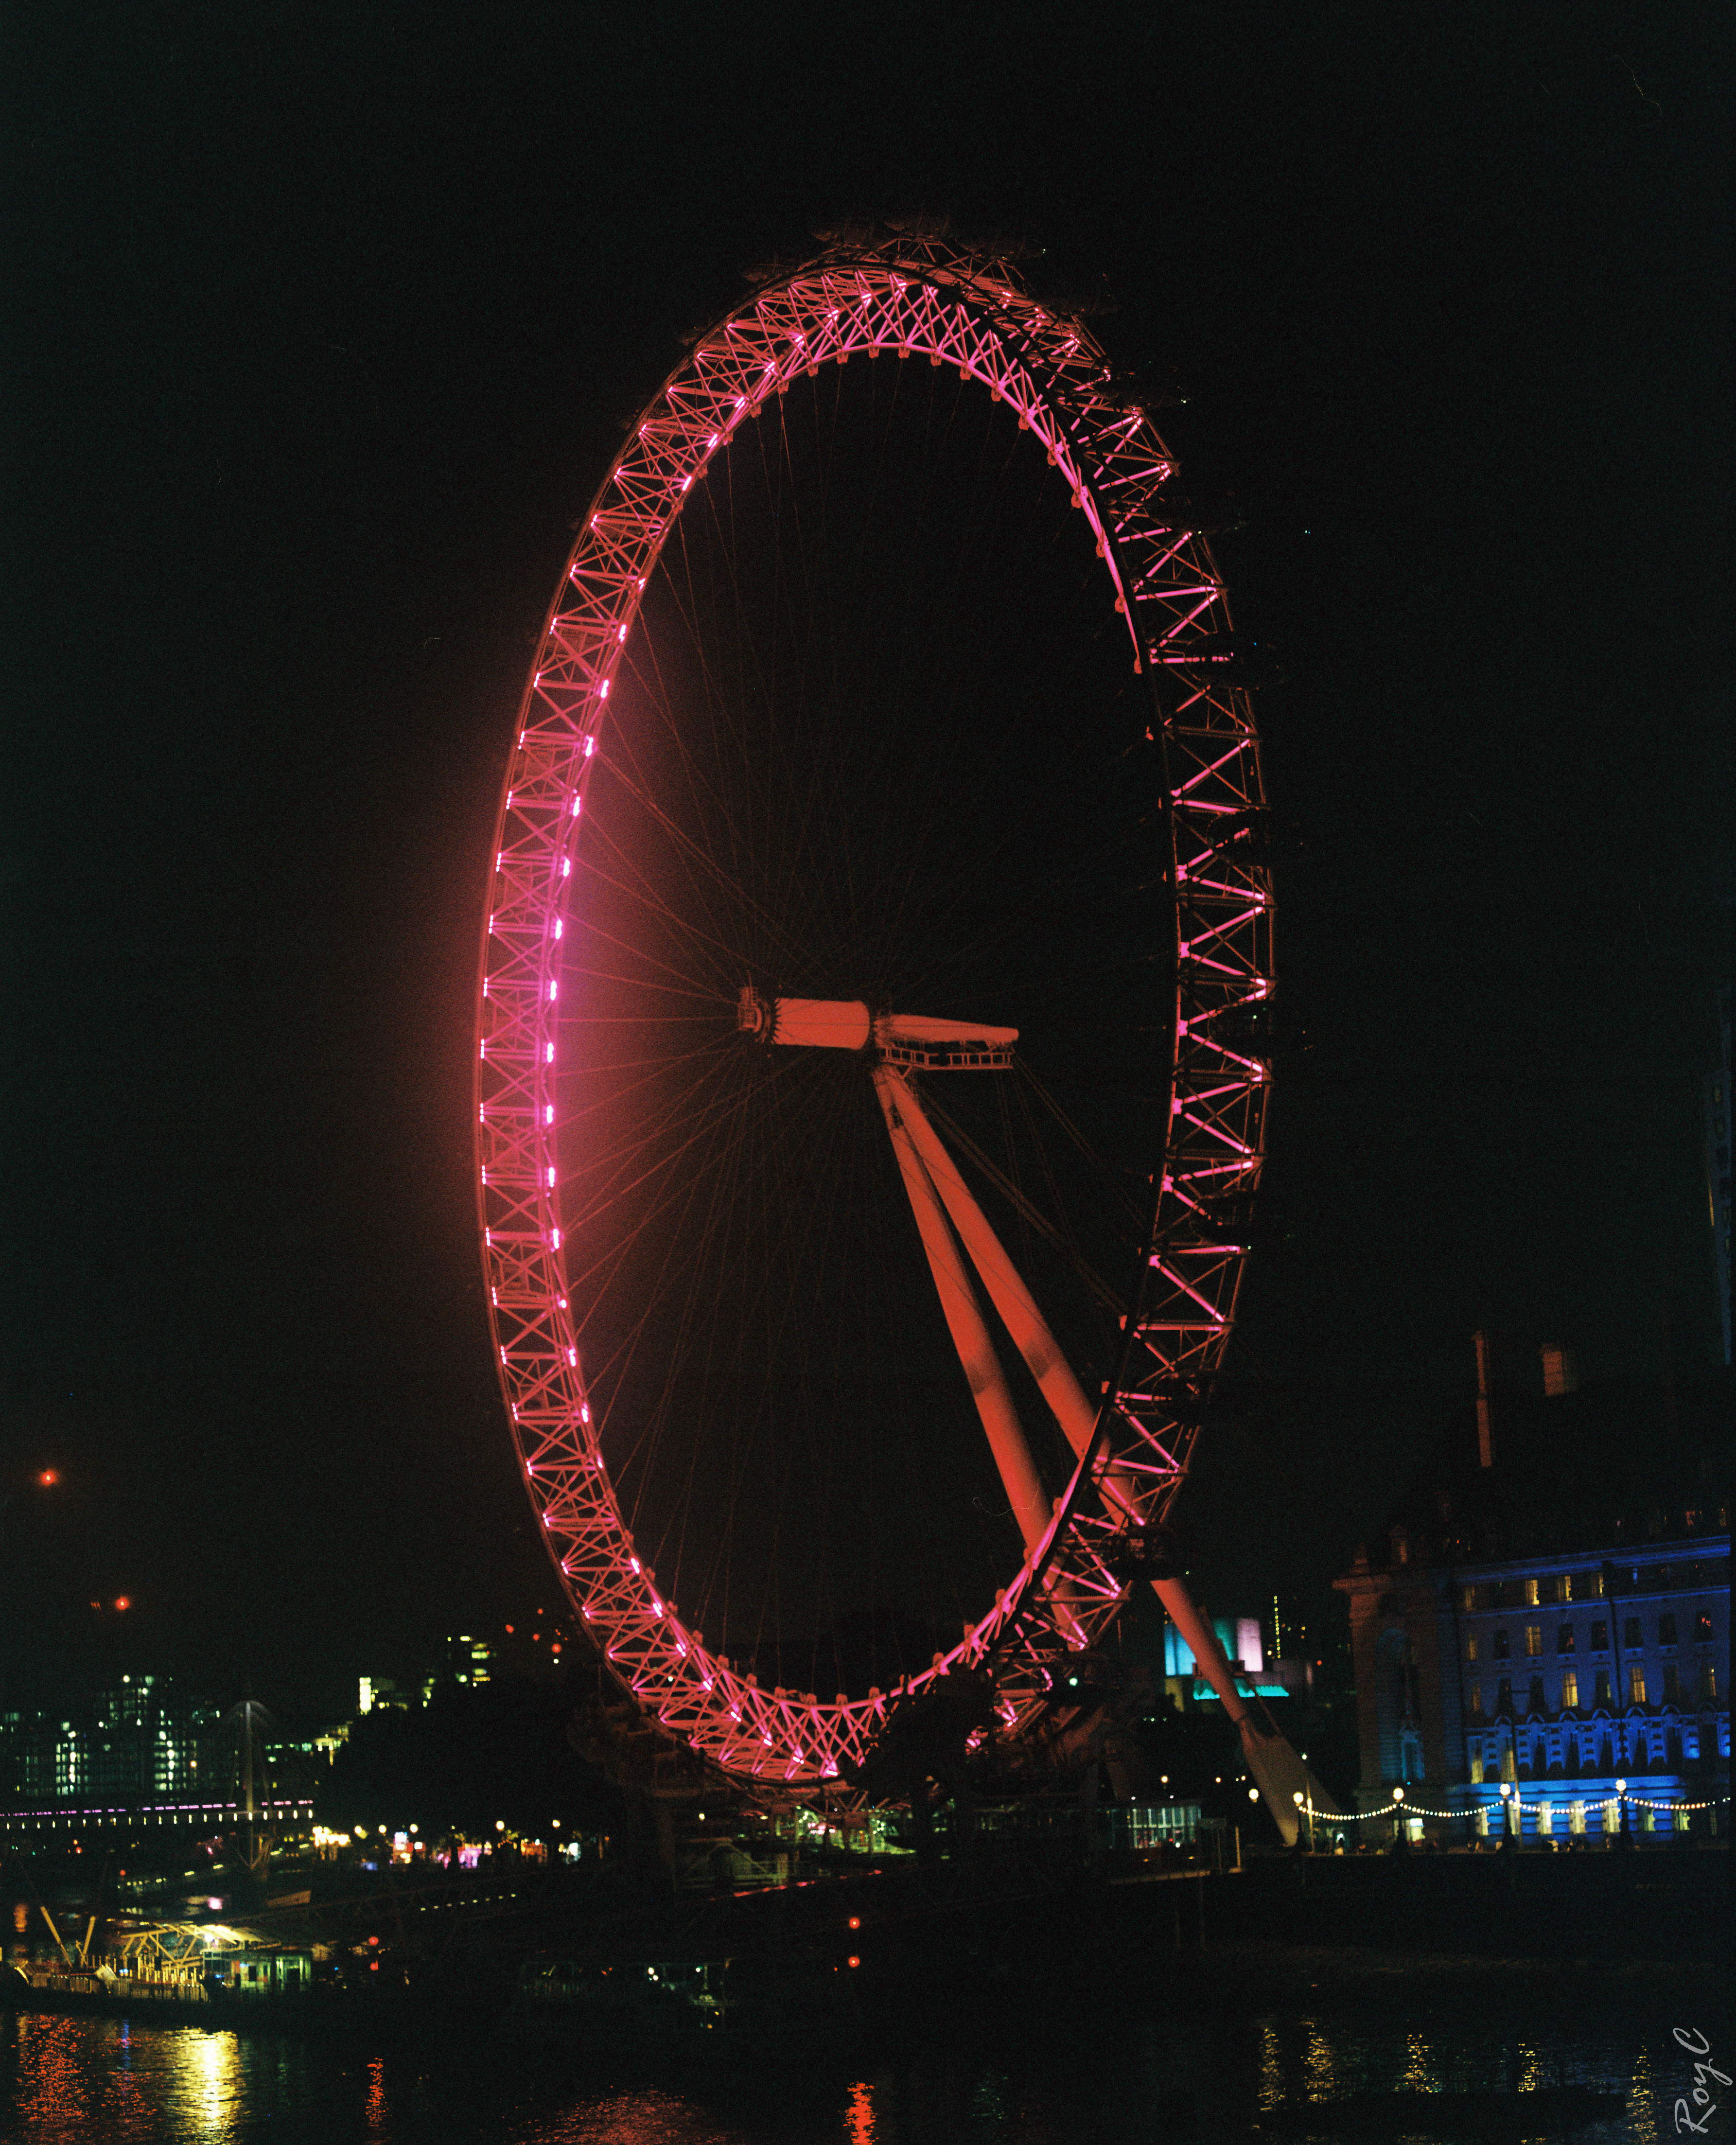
917 298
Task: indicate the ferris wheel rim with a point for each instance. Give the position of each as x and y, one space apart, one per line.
918 299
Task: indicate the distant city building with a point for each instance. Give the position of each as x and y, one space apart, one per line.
1258 1674
464 1661
380 1694
136 1738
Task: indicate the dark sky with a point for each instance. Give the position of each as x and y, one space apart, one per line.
322 325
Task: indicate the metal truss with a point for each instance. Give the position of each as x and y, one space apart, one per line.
917 299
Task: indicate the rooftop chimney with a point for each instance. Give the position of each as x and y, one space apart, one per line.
1485 1433
1560 1372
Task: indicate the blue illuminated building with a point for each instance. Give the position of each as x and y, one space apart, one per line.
1546 1632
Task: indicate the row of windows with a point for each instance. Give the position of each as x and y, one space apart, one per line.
1601 1689
1632 1635
1574 1748
1587 1585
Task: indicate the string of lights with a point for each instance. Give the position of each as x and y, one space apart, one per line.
1400 1806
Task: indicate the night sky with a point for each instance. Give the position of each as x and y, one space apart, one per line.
322 326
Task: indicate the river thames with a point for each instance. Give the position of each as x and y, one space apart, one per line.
1167 2067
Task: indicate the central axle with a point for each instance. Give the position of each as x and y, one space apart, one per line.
902 1038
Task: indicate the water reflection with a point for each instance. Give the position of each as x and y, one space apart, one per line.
211 2067
1320 2065
861 2115
1271 2065
1647 2099
649 2116
1419 2073
51 2099
1176 2068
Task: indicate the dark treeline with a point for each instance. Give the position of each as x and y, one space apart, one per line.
496 1754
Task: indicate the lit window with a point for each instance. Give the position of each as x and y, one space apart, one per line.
1564 1639
1476 1699
1467 1599
1570 1688
1564 1587
1530 1593
1470 1647
1709 1680
1534 1640
1703 1629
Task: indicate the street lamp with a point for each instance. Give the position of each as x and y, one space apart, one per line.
45 1479
1624 1837
1399 1840
1509 1816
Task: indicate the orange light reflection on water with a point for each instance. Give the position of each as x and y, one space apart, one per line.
53 2097
861 2115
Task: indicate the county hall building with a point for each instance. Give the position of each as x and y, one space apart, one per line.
1541 1639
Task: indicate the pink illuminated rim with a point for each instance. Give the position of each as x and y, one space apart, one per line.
917 299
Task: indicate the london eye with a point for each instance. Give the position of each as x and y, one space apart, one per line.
870 1071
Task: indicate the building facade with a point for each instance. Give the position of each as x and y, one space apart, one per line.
1545 1693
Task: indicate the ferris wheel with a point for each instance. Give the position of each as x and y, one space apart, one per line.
869 1080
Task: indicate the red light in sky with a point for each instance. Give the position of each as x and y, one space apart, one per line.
48 1477
123 1601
